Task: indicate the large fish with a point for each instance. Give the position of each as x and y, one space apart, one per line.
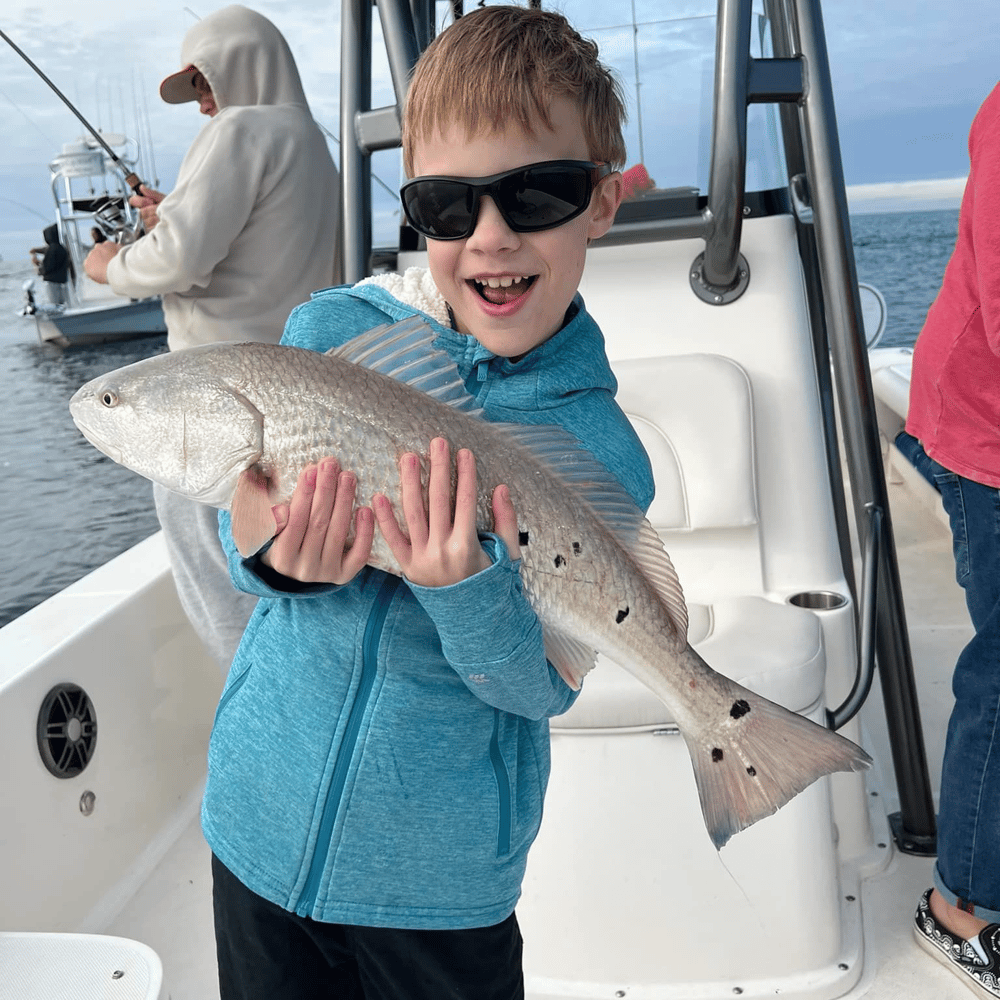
232 425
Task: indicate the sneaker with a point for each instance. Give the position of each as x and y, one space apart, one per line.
976 961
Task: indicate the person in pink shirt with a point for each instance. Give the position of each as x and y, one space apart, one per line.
953 436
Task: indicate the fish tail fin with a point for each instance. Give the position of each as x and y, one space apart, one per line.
761 757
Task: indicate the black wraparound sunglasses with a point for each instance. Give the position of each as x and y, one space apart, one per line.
531 198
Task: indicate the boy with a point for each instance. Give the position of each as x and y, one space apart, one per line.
381 750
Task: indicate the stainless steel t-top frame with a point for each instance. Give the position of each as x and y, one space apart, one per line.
797 78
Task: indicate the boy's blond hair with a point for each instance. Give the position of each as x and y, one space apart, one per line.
505 64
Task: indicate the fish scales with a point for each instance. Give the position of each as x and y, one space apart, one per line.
368 420
592 568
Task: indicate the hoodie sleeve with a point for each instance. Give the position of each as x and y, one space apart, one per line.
251 576
492 638
220 181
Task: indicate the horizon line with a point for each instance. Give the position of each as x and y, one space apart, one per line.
949 189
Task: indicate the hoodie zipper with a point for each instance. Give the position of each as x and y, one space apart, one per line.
502 776
369 666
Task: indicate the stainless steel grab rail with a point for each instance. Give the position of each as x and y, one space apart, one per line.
851 705
811 139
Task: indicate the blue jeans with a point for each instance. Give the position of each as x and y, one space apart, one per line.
968 866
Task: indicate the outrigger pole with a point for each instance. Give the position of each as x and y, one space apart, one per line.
131 178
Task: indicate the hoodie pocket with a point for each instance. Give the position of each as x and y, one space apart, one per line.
230 691
502 776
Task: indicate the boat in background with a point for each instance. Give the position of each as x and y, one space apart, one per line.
90 193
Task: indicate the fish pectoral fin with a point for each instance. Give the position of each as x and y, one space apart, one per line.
571 659
252 520
760 757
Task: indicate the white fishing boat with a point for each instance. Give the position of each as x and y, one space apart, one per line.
734 321
89 194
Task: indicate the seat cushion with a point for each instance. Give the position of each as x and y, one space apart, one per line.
773 649
694 416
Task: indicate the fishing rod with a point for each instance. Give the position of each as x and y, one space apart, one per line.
131 178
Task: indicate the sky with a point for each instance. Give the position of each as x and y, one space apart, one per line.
908 76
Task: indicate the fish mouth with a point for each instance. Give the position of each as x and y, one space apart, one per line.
113 453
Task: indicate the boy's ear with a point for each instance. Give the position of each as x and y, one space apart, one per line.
604 205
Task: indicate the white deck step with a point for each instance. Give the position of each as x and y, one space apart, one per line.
39 966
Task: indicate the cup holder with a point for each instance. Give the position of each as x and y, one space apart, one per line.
818 600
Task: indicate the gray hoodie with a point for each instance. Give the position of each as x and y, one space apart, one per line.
250 227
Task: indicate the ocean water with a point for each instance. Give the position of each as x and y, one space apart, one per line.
69 508
904 254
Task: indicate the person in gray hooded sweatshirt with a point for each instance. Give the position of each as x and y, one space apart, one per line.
248 232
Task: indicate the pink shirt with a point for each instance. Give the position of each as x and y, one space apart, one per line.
955 388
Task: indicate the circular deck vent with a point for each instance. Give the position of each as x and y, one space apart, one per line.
67 730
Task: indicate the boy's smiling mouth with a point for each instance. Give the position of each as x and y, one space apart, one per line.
499 290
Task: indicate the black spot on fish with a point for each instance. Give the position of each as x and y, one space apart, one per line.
739 709
522 537
621 616
560 561
577 548
752 771
717 755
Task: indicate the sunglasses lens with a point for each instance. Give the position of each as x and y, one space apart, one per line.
439 209
543 197
533 198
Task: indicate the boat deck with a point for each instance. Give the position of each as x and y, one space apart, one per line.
172 911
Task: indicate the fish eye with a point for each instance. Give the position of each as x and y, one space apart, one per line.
108 398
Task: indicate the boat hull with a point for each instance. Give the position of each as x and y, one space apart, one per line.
75 848
131 320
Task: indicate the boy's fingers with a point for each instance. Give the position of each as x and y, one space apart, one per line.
399 544
439 490
357 555
280 514
505 521
411 487
339 518
323 500
466 491
299 507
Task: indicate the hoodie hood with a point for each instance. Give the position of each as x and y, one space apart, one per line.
244 58
51 234
572 361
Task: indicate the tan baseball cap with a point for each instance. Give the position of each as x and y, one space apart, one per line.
178 88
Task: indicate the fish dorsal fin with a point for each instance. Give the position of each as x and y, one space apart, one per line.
572 659
405 351
562 453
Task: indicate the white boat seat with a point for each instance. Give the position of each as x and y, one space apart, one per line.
41 966
773 649
694 414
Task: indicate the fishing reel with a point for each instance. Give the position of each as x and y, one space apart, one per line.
117 221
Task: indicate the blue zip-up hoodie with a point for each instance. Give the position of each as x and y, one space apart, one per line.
381 750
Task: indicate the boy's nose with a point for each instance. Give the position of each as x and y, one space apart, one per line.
492 232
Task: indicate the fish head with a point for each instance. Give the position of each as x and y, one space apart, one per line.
178 419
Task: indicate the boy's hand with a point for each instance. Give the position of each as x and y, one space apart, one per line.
437 549
311 544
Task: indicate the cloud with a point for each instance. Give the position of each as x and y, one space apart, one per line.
906 196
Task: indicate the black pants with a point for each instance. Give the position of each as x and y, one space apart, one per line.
265 953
